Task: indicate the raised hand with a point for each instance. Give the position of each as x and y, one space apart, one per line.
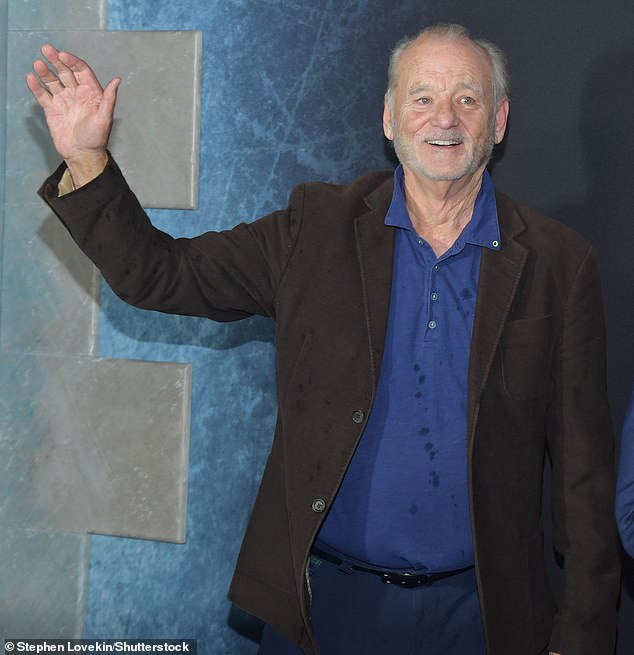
79 112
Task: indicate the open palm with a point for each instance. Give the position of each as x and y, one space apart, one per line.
79 112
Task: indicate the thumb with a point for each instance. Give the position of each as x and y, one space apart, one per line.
109 98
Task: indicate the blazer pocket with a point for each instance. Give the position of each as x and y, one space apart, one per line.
525 351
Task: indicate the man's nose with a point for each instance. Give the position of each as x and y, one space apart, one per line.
445 114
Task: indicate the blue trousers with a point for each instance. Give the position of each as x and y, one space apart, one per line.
356 613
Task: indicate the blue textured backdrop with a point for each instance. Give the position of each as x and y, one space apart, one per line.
292 91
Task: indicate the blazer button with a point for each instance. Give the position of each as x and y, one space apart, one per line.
358 416
319 505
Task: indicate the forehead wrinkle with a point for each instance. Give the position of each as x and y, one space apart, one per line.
415 88
469 63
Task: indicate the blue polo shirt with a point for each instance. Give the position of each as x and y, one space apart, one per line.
404 501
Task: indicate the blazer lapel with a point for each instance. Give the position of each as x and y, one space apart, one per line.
500 272
375 247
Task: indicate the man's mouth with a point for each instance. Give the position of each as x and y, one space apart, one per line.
443 142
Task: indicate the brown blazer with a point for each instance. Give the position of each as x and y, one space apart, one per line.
322 269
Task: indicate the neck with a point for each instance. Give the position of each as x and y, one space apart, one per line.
439 211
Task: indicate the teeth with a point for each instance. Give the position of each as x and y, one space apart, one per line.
438 142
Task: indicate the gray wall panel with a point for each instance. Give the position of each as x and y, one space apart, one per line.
49 289
94 445
157 111
58 14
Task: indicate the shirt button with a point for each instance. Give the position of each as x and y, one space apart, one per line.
495 244
358 416
434 295
319 505
436 267
420 242
432 325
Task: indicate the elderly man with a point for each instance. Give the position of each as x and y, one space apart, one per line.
435 339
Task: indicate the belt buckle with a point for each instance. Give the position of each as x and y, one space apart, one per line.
407 580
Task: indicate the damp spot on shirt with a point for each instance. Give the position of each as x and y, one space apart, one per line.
418 394
416 367
421 379
462 311
434 480
413 509
426 431
466 294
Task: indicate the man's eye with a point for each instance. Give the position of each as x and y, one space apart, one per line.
423 101
467 100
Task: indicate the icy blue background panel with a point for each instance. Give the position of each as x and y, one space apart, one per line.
4 43
86 444
42 584
4 38
43 574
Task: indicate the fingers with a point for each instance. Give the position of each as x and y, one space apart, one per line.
40 93
50 81
65 74
80 70
54 82
68 71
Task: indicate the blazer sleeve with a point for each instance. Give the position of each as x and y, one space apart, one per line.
224 276
625 482
581 447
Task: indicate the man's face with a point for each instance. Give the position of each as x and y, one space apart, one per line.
441 117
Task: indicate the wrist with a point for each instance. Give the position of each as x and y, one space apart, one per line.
86 166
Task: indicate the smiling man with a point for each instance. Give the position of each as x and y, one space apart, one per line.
444 110
435 339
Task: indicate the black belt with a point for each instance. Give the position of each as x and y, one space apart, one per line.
400 579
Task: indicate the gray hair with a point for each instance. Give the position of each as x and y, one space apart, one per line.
453 32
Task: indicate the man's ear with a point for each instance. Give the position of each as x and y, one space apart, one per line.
501 119
387 119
